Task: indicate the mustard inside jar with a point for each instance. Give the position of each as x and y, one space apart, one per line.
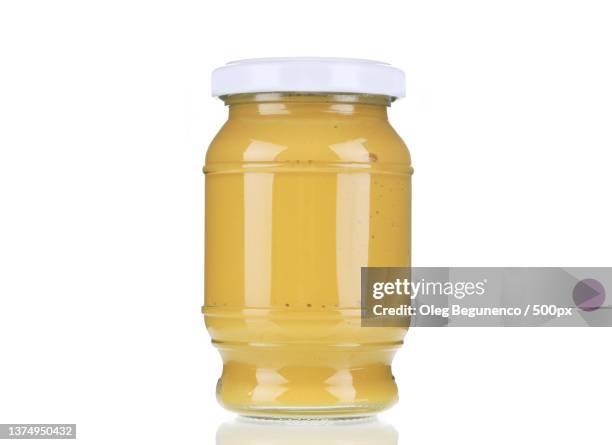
305 184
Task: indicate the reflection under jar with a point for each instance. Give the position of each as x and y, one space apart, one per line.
249 431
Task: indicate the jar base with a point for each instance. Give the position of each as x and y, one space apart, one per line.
308 413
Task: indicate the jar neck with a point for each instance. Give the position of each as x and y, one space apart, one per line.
307 105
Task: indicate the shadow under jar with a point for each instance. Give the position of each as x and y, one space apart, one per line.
303 188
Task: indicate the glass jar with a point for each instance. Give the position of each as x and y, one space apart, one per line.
303 188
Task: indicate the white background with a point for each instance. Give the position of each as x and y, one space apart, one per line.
105 115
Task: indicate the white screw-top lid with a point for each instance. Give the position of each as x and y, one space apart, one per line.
308 74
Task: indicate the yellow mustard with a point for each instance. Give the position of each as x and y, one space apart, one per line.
303 188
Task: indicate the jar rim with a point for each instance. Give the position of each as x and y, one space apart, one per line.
307 97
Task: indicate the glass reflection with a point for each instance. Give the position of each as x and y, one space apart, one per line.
248 431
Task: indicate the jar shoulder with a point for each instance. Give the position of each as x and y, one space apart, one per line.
362 141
